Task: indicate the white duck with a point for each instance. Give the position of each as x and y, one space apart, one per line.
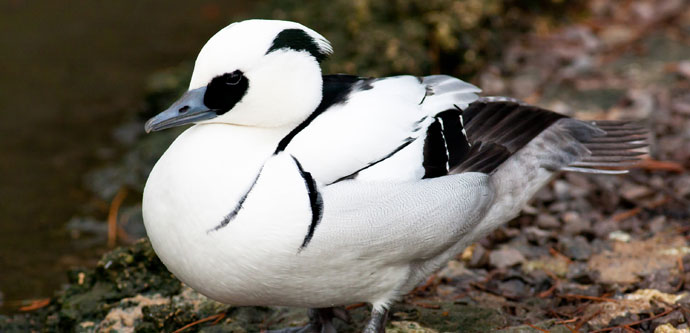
305 190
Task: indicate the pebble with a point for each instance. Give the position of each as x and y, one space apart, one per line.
547 221
579 272
574 224
505 257
632 192
536 235
479 258
513 288
620 236
658 224
562 190
602 229
571 288
661 280
668 322
575 248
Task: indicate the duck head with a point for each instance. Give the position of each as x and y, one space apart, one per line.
262 73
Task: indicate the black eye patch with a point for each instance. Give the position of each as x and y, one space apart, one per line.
224 91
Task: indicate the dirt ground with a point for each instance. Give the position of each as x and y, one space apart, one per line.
595 253
590 253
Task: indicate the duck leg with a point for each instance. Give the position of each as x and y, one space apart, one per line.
377 323
320 321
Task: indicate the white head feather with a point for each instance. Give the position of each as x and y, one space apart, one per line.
284 84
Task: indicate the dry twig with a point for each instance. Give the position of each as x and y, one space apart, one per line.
36 304
217 318
112 216
627 326
536 328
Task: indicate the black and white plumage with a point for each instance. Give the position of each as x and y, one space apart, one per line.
299 189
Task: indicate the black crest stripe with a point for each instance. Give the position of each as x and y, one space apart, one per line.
314 200
298 40
285 141
231 216
336 89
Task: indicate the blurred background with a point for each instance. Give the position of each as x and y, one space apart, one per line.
79 78
74 81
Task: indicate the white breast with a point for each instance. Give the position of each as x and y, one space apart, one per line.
255 259
196 183
204 172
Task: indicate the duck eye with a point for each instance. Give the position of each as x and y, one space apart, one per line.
224 91
233 78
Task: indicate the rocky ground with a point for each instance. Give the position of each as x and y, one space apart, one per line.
590 253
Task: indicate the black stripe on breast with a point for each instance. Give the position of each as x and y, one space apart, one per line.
336 89
315 202
231 216
369 165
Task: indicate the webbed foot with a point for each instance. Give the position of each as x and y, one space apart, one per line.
320 321
377 323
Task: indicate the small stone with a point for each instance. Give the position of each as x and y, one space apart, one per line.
619 236
661 280
682 185
547 221
683 68
558 207
566 287
575 248
505 257
536 235
574 224
614 35
603 228
668 322
513 288
579 272
657 224
562 190
480 257
632 192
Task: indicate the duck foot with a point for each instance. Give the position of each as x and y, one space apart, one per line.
377 323
320 321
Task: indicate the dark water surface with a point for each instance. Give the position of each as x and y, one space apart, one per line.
69 72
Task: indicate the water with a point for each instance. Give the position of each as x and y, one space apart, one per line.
69 72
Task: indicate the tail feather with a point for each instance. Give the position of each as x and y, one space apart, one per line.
615 151
565 145
496 130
